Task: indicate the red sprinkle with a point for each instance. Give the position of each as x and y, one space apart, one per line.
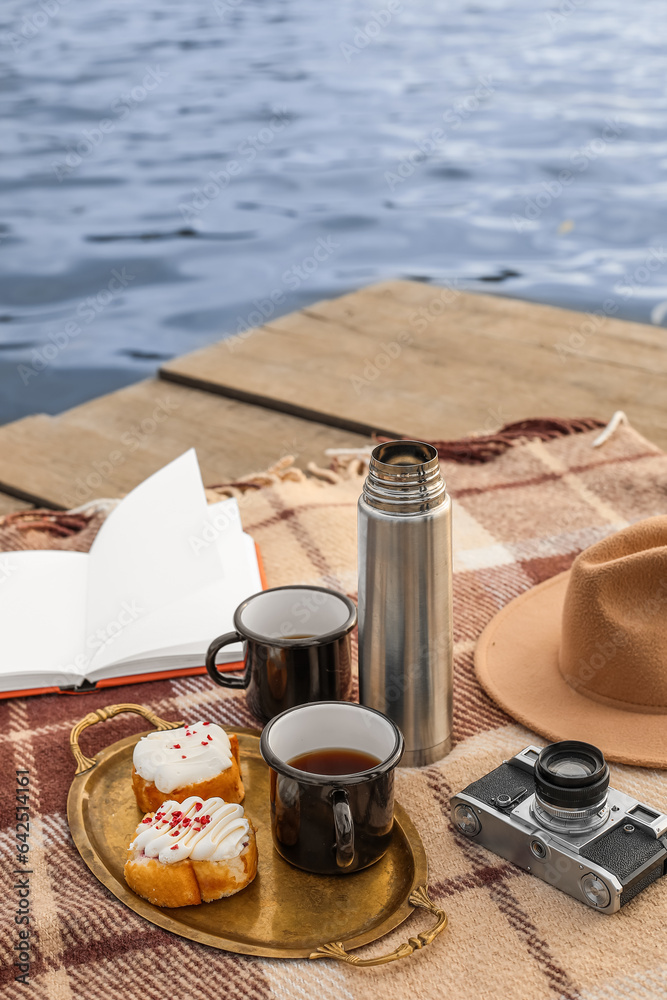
176 746
187 821
209 737
203 743
175 847
147 820
205 820
175 833
198 806
183 757
207 723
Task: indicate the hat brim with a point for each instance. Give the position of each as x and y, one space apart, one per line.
516 661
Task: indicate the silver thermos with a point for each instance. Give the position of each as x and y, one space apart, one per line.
405 597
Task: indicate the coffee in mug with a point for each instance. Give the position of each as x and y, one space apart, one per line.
334 760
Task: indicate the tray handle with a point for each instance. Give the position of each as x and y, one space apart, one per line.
84 763
419 897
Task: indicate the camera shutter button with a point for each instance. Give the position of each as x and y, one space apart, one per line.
504 799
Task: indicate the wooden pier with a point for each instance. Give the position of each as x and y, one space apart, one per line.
399 358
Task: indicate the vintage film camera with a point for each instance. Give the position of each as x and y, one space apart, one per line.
551 812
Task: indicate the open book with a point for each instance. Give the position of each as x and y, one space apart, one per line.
162 579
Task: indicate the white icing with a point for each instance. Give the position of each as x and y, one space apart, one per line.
183 756
200 829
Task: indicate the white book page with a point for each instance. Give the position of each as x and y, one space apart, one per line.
42 618
186 628
144 559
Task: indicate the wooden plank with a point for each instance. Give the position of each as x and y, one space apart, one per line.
9 504
106 447
410 358
415 305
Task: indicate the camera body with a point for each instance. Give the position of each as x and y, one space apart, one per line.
603 855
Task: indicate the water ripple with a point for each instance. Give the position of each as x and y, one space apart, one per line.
512 146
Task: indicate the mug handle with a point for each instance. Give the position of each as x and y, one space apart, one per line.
344 825
224 680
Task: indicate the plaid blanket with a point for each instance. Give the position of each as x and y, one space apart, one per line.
518 520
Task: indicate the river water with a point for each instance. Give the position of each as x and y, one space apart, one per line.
175 170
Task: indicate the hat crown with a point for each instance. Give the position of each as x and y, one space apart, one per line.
614 630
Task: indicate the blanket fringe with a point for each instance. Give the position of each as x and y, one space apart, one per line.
282 471
472 450
58 524
475 450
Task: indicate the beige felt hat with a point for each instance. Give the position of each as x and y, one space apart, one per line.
583 656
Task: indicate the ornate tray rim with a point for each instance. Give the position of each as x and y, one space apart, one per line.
78 793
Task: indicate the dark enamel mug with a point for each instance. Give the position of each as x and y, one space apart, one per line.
331 823
297 648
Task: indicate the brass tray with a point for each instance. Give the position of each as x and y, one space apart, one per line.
284 912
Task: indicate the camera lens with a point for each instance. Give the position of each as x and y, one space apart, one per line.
569 768
571 775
